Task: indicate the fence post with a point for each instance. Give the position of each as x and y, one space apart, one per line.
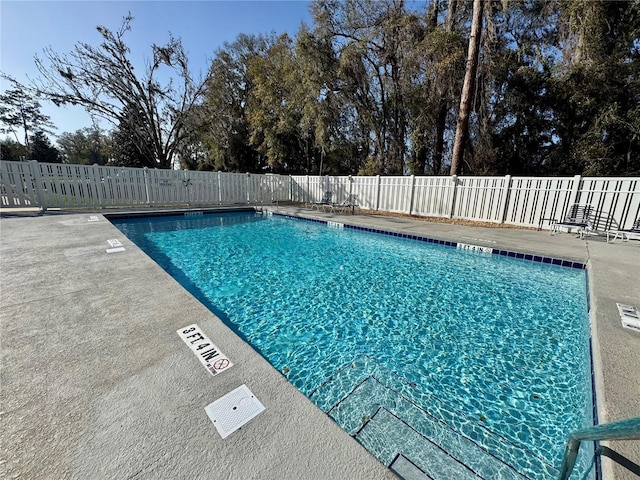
454 179
146 184
97 178
575 190
413 186
248 188
506 192
378 193
187 182
34 171
219 189
308 192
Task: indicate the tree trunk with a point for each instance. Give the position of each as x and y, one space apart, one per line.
26 129
433 15
451 13
441 122
462 127
443 103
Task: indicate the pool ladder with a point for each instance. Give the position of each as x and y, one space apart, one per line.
442 443
628 429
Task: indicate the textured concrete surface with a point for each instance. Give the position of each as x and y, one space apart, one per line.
95 382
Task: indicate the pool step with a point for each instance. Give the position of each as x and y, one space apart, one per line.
384 407
386 436
407 470
342 382
357 392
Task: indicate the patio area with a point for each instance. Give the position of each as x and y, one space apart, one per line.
97 384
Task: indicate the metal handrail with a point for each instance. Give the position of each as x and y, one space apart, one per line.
628 429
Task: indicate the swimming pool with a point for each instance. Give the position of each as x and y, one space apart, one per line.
398 338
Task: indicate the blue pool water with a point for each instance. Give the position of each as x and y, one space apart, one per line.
495 345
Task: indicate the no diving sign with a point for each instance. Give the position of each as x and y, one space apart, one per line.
209 355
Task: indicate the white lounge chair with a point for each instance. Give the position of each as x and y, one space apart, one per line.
600 223
578 216
349 203
631 234
324 201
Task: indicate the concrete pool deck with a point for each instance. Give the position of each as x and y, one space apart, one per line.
96 383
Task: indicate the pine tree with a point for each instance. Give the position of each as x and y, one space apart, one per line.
20 110
42 150
127 139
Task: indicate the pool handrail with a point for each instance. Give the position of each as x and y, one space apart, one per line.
628 429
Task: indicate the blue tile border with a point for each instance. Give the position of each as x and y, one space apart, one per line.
176 212
505 253
596 419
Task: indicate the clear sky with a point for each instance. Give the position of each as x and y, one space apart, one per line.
27 27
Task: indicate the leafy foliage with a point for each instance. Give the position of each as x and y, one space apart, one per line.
13 151
88 146
128 140
226 135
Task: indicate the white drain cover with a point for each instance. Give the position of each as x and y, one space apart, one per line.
234 410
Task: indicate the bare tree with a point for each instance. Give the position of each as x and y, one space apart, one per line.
462 127
102 79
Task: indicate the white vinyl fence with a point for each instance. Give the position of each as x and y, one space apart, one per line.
524 201
52 185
